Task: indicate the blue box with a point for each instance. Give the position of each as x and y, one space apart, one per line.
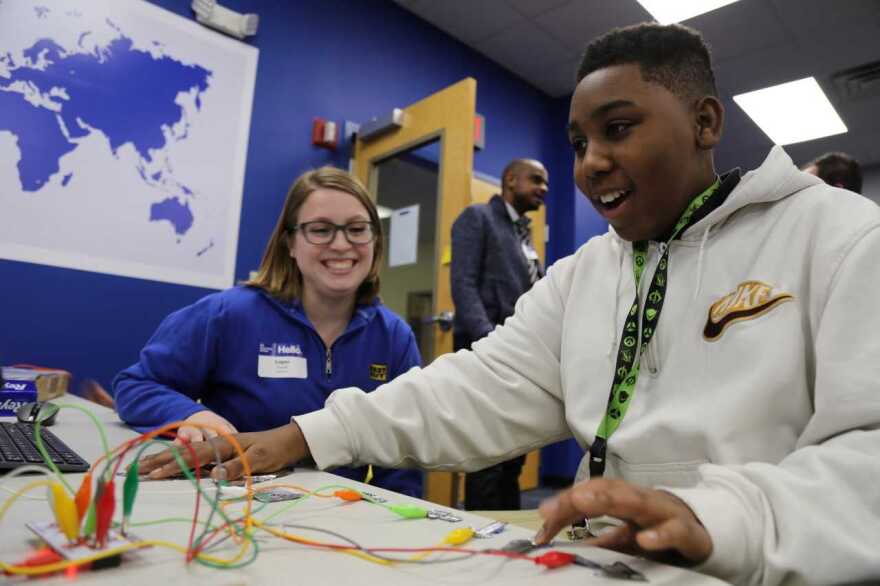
16 393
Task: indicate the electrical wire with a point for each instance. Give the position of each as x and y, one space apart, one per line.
191 552
48 459
62 565
28 468
238 529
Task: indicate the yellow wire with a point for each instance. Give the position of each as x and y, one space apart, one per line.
455 538
290 537
27 487
57 566
248 520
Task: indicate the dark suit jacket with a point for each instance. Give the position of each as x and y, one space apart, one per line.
489 270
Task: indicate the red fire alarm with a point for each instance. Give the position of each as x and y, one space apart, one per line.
325 133
479 132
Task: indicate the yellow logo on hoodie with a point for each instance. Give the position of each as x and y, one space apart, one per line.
750 300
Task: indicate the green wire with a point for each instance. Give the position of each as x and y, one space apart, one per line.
405 511
284 509
318 490
129 490
215 508
160 521
188 473
109 459
48 460
201 561
177 520
255 549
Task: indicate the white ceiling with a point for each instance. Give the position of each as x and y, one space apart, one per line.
755 43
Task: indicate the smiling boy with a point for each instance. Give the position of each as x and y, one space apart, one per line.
716 351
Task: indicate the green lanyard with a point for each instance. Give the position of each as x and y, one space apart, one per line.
629 354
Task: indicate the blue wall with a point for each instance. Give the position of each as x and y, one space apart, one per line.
337 59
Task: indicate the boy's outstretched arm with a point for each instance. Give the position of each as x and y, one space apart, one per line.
266 451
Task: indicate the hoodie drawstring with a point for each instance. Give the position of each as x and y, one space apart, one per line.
700 261
613 347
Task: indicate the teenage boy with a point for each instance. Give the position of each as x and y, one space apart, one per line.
716 350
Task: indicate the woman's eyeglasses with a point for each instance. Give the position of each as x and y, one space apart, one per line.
323 233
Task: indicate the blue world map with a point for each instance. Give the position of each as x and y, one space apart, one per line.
55 97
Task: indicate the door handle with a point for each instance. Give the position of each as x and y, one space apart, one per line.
442 319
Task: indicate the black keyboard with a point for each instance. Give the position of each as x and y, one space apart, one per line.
18 447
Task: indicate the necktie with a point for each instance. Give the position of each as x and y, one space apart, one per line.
525 237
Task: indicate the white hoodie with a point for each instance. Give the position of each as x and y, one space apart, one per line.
770 431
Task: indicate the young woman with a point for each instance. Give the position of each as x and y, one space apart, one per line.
310 322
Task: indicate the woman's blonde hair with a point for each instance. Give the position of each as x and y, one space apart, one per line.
279 274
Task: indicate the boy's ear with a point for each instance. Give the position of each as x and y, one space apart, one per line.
709 119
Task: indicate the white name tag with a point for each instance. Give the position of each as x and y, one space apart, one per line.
282 367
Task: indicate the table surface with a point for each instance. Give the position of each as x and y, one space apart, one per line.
281 561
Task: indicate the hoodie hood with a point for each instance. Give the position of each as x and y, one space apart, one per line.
776 179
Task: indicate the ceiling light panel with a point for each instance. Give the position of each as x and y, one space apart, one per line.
668 11
792 112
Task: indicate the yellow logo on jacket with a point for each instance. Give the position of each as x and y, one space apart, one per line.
379 372
750 300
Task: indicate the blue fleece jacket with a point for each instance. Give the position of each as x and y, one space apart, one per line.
257 361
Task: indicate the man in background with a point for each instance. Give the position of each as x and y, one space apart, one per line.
837 169
494 262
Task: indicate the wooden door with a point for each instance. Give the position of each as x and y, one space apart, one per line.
439 127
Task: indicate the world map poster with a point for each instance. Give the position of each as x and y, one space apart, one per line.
123 140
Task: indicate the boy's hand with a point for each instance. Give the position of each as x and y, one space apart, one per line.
266 451
657 522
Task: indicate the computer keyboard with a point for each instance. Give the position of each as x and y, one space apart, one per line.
18 447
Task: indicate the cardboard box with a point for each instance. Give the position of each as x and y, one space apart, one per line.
24 385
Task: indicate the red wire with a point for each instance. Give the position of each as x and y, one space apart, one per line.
507 554
122 450
496 552
216 531
190 552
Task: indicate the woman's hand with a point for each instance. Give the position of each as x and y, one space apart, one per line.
266 451
657 523
191 433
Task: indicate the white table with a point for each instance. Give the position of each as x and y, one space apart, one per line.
285 562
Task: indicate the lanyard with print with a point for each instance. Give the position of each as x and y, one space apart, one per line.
629 353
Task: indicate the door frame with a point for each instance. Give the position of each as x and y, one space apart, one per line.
448 115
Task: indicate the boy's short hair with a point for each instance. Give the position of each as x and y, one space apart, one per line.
839 169
671 55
